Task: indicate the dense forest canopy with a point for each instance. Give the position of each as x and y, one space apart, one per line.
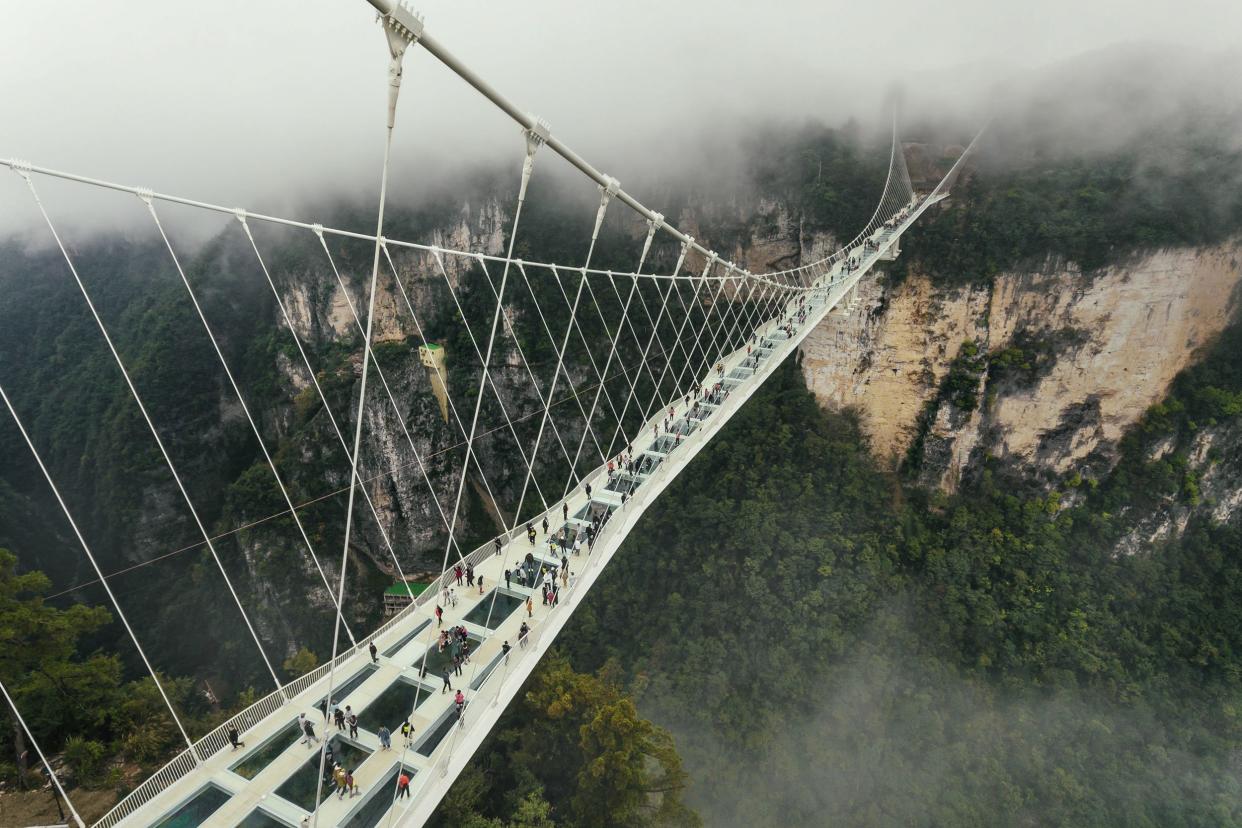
792 635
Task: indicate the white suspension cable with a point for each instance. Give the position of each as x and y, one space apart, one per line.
556 375
655 329
42 757
589 427
656 399
399 36
116 356
418 460
652 225
280 483
487 376
90 556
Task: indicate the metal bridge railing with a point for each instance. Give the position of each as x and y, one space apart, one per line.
496 682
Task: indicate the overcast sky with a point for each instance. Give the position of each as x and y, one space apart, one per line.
267 103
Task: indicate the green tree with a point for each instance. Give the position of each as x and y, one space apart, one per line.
58 692
300 663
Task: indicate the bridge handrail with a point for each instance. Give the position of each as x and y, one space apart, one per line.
217 739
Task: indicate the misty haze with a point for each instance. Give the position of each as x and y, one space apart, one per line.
536 414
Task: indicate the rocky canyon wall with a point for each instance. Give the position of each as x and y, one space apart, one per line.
1114 339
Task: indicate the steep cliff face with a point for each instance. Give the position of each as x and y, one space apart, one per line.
1107 346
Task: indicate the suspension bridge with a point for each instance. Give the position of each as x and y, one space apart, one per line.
683 351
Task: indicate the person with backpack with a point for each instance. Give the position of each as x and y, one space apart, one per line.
504 648
308 729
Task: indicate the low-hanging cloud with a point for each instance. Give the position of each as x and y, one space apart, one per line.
272 105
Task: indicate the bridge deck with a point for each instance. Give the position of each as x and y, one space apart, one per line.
271 780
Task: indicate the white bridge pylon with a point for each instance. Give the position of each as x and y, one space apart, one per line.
727 331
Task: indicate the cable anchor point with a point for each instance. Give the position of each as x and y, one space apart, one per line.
23 168
402 28
536 135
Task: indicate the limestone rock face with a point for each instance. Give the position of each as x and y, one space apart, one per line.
1133 326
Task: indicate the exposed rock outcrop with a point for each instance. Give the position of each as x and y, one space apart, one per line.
1135 327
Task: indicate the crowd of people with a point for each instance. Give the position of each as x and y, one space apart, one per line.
550 579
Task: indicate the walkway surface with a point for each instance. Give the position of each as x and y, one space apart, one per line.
271 780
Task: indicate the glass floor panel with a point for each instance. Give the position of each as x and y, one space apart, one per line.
647 463
485 672
438 731
406 639
623 483
262 756
495 607
437 661
664 444
393 705
379 800
259 818
342 691
300 788
592 510
197 811
685 427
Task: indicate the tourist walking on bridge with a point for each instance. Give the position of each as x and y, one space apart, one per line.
308 729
